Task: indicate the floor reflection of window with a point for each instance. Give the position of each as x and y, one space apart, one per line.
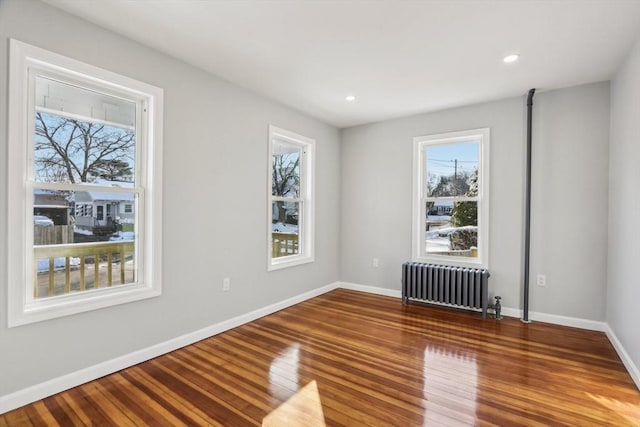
450 386
283 373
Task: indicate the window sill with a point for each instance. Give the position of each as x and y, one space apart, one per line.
453 261
65 305
286 262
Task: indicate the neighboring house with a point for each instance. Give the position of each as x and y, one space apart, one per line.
441 208
102 208
52 204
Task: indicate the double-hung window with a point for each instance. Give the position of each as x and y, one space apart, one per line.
290 205
83 141
451 198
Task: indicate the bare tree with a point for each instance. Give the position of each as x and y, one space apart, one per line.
77 151
286 175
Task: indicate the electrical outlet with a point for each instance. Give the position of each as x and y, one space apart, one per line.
226 283
542 280
376 262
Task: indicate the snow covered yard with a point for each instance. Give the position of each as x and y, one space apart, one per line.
438 237
280 227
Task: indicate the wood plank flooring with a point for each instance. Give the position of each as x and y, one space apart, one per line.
353 359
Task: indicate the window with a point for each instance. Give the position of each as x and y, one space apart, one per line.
290 206
128 208
80 137
451 198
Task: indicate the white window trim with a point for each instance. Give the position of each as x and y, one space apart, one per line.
307 189
22 308
418 251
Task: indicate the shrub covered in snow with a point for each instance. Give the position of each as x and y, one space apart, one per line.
463 238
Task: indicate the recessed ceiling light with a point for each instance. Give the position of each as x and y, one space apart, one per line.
511 58
350 98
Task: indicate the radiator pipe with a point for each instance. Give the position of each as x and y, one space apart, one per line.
527 211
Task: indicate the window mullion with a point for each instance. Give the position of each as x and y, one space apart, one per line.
287 199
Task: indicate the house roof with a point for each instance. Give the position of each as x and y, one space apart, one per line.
101 194
114 197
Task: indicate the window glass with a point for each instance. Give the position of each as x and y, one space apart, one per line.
285 168
82 135
452 186
85 139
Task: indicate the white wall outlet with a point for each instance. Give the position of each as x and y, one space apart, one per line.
226 283
542 280
376 262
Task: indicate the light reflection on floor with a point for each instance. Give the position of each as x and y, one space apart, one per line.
626 410
283 373
450 381
303 409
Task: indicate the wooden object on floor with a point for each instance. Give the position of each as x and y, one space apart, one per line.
375 362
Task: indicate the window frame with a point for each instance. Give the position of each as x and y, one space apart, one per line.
25 62
306 236
418 249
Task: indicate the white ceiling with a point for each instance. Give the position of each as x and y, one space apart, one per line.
397 57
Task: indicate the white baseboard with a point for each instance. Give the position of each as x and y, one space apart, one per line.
624 356
556 319
506 311
370 289
56 385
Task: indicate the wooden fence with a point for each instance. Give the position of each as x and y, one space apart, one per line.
58 234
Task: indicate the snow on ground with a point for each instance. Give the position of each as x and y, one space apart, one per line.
43 264
123 235
446 230
280 227
440 244
438 237
78 230
438 217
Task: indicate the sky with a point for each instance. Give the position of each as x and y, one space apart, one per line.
441 158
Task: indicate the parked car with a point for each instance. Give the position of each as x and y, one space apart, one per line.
42 221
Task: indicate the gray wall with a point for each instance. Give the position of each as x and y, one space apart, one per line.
215 151
623 287
570 201
569 197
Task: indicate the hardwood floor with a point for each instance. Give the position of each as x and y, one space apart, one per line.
352 359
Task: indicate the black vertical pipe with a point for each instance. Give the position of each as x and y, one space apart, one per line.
527 211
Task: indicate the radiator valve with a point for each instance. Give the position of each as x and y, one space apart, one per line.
498 308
